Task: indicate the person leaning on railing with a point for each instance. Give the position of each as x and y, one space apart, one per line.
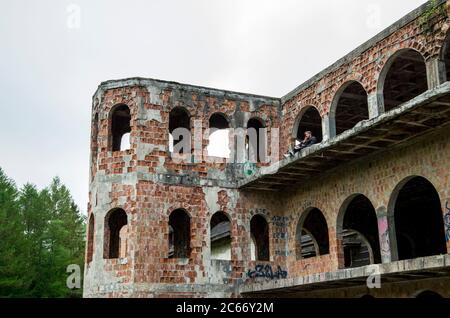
308 141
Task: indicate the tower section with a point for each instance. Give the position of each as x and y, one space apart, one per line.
165 216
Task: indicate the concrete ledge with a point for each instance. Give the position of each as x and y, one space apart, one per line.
201 90
419 268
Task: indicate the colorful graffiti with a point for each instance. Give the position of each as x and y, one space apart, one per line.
385 247
447 222
266 271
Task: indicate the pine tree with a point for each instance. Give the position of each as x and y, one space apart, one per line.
12 241
41 233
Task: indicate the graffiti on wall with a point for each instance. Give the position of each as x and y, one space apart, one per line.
266 271
385 247
447 222
280 227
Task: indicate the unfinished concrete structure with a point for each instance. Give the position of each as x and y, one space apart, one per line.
372 199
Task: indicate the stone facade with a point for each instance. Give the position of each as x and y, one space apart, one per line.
148 183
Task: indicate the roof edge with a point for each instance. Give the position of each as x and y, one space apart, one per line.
141 81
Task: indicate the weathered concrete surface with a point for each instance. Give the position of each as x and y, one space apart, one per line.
421 268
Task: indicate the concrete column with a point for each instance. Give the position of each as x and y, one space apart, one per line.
435 72
387 238
328 127
198 141
376 105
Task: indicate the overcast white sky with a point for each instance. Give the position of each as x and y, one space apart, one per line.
50 65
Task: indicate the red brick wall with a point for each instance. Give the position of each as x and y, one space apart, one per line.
127 180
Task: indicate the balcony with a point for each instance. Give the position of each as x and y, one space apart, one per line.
426 112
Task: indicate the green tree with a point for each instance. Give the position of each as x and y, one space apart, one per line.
41 232
65 237
12 241
35 217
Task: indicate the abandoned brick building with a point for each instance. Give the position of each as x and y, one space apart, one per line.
370 200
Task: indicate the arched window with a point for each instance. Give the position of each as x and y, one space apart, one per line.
358 227
120 126
403 78
259 230
218 145
220 237
349 107
311 238
90 242
179 234
419 223
308 120
115 220
179 131
256 141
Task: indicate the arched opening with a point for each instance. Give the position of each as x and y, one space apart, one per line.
256 141
404 77
309 120
115 220
350 107
120 125
259 230
179 234
218 142
312 238
220 237
429 294
179 131
419 223
360 232
90 241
